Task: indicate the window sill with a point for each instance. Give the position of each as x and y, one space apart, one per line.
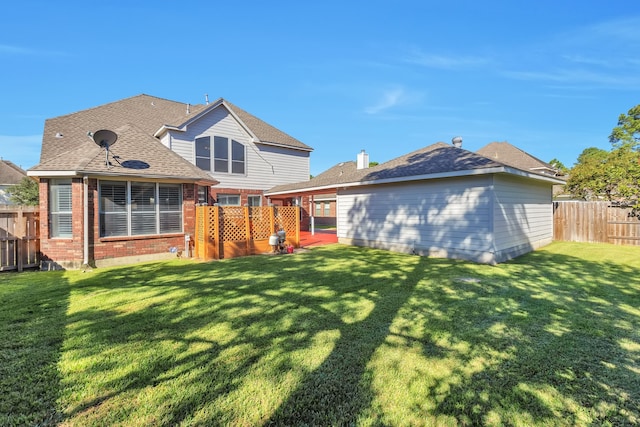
140 237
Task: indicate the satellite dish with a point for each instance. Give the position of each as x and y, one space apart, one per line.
105 138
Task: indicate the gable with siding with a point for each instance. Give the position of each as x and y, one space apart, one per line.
267 162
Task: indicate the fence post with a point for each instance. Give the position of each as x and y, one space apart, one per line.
297 242
218 247
247 230
20 233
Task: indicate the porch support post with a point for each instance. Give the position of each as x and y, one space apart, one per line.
312 222
85 221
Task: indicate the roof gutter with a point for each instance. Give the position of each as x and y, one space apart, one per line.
274 144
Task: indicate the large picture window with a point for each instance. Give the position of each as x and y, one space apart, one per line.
60 208
139 208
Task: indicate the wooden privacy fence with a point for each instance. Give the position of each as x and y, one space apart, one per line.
19 238
234 231
595 222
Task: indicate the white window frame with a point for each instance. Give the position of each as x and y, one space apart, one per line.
59 212
226 162
202 156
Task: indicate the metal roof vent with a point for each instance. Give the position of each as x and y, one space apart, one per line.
457 141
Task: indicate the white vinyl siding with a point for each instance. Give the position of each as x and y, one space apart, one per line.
264 166
523 213
60 208
139 208
450 216
488 218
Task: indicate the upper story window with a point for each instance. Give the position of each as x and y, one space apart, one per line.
203 153
228 155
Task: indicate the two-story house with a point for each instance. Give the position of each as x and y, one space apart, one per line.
129 193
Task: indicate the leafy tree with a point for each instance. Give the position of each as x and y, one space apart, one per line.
587 179
559 166
25 193
614 175
628 130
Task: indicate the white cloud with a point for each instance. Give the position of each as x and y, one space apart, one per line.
447 62
389 99
20 50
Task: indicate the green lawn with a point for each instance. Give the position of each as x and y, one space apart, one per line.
335 336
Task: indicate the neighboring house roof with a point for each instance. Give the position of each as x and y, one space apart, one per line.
67 146
439 160
10 174
513 156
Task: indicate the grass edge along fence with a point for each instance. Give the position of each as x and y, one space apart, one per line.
595 222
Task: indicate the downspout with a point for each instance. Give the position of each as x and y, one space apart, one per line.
85 221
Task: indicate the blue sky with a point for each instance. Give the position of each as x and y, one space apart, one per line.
390 77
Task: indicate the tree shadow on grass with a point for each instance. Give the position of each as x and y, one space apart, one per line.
32 323
270 309
563 334
306 340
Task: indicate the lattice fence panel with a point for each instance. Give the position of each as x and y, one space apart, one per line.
286 218
233 224
211 221
260 222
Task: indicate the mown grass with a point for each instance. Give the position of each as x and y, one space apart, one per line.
336 336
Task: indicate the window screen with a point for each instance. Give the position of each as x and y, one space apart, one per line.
203 153
60 208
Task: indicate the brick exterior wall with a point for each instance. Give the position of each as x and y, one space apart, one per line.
61 252
69 253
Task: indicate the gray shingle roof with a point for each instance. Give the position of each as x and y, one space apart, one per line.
434 159
513 156
66 145
135 153
10 174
